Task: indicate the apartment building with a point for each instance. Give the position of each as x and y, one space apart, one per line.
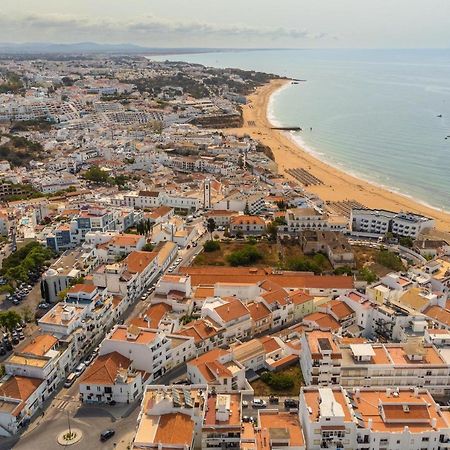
222 421
231 314
112 377
320 359
218 369
154 199
45 357
371 419
279 430
149 350
379 222
130 276
325 361
247 225
118 246
20 398
171 417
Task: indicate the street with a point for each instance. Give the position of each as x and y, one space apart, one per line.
65 407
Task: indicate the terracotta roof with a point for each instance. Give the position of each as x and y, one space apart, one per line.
142 336
340 309
209 276
125 240
231 310
174 429
323 321
40 345
274 421
152 316
270 344
247 220
138 261
87 288
439 314
105 368
279 297
19 387
200 329
258 310
299 297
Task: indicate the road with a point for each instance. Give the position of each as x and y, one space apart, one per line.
93 419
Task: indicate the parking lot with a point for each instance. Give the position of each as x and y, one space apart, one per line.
250 412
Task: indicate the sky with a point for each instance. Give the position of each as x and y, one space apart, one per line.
230 23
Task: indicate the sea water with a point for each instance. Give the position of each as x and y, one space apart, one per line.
382 115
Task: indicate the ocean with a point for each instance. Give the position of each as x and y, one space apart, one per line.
382 115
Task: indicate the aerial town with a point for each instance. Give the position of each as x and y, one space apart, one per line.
164 285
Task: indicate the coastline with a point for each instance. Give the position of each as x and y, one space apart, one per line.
337 184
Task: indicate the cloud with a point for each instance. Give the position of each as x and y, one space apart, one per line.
148 28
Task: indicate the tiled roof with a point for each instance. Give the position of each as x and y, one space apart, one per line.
105 368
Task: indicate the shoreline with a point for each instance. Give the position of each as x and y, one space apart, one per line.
337 184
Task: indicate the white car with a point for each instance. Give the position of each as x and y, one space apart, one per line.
259 403
80 369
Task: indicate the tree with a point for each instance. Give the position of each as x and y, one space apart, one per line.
281 205
96 175
278 381
367 275
9 320
389 260
27 314
147 247
272 230
247 209
245 257
211 246
211 226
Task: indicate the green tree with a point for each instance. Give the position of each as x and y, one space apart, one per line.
247 209
278 381
9 320
272 230
245 257
281 205
211 246
96 175
147 247
389 260
367 275
210 226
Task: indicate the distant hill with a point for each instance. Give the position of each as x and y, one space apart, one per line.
92 47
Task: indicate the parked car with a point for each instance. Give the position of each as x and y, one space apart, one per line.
7 344
107 434
259 403
274 399
70 380
291 403
245 404
246 419
80 369
15 340
2 350
89 359
43 305
21 336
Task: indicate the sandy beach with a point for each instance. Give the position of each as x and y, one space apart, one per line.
337 185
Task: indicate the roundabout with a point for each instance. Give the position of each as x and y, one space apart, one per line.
69 437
